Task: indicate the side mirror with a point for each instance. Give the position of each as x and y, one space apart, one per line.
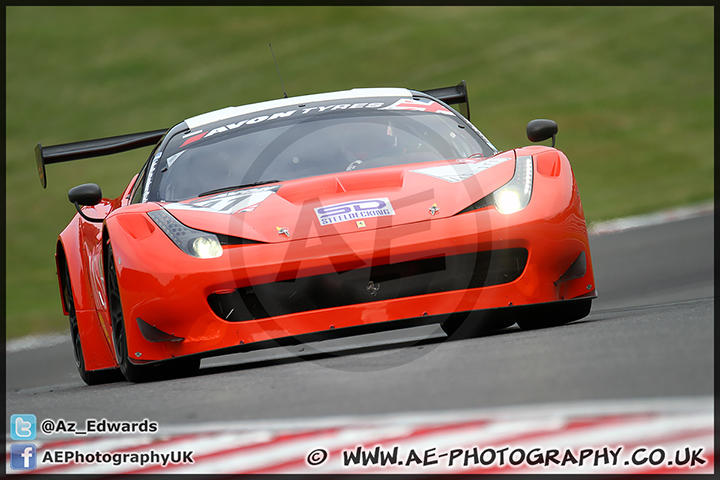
87 195
542 129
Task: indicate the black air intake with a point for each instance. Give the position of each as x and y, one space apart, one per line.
371 284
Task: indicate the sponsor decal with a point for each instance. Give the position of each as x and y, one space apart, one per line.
151 174
341 106
355 210
418 106
198 135
461 171
193 137
236 201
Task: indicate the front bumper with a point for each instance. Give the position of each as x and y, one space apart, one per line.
253 294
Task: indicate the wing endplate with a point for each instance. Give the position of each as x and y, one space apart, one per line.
455 95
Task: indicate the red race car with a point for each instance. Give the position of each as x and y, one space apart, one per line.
314 216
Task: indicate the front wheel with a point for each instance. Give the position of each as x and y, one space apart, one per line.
132 373
137 373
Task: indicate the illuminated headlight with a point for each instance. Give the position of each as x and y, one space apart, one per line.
193 242
207 247
515 195
508 202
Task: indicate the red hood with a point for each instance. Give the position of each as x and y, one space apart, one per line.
345 202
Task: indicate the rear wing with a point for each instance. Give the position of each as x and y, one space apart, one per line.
92 148
456 95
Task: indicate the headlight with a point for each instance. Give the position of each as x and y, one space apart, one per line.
515 195
207 247
193 242
508 202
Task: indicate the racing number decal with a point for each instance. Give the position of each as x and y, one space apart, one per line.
228 202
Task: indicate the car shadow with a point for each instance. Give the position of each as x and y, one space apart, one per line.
310 353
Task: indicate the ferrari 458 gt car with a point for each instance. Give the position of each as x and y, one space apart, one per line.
314 216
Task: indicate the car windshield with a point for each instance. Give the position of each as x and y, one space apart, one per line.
307 141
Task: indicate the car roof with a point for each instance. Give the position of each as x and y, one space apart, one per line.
229 112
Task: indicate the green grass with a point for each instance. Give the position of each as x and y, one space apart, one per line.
630 87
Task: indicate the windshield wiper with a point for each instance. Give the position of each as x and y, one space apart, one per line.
237 187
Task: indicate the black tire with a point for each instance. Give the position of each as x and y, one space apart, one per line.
137 373
556 315
90 377
133 373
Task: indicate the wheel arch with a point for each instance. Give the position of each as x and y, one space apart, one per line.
68 254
